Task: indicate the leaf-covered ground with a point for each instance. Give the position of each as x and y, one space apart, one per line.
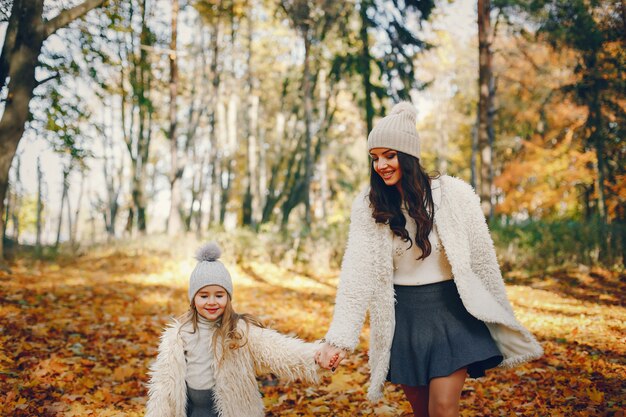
77 336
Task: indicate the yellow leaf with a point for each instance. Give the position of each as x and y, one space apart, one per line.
122 372
595 395
87 383
385 410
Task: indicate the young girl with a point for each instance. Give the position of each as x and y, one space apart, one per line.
208 359
421 260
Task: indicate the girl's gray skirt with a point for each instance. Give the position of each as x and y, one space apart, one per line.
436 336
200 403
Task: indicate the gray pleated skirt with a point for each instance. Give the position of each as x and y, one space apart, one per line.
436 336
200 403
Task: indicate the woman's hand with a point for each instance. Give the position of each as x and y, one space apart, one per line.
329 356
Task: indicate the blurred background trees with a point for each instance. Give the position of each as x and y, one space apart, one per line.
247 119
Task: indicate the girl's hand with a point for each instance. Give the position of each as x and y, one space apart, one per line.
329 356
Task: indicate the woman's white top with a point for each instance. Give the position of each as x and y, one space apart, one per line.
199 354
410 271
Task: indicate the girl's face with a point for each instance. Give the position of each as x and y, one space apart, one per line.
385 162
211 301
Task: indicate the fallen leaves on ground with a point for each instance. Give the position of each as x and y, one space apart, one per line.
76 339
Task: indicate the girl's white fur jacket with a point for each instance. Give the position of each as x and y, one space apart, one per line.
236 391
366 281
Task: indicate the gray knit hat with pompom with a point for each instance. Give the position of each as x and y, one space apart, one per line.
209 271
397 131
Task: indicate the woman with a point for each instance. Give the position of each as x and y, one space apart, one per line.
421 260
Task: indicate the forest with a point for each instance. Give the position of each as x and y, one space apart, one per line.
132 131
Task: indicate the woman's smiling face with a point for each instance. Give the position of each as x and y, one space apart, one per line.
385 163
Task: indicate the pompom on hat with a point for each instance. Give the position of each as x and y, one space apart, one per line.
397 130
209 271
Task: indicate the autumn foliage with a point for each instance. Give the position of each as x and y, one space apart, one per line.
78 335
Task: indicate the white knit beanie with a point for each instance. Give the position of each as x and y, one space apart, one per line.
209 271
397 131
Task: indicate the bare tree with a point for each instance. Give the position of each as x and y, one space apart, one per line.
174 221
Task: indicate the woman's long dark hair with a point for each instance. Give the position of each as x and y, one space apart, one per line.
386 201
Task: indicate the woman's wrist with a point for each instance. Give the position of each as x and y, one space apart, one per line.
324 340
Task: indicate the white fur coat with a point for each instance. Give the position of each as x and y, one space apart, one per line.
366 281
236 391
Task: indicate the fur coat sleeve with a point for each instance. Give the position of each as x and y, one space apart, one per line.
166 389
353 295
289 358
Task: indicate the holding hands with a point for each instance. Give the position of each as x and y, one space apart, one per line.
329 356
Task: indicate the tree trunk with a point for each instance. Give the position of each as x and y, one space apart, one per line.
16 206
39 207
23 40
251 198
484 103
174 222
474 179
271 200
74 235
113 178
308 115
597 139
145 120
68 213
228 172
365 70
66 173
5 216
262 175
251 206
139 143
322 164
295 194
215 112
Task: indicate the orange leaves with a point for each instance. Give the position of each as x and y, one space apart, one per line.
123 373
542 178
77 340
52 367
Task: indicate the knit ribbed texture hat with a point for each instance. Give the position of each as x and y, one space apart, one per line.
209 271
397 131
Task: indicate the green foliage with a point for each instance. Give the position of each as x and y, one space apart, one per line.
385 61
535 245
64 116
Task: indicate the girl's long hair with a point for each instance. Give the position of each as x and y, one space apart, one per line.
227 334
386 202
